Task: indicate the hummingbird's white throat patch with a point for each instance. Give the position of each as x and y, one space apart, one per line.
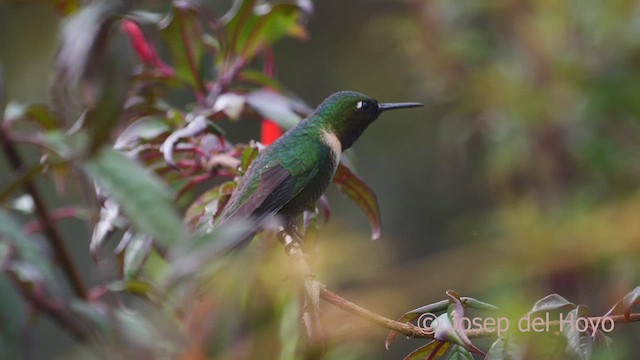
330 138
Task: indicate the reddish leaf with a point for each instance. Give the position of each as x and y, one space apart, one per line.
269 132
432 351
198 125
626 304
358 191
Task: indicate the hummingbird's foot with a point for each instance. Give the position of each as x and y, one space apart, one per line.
295 232
288 237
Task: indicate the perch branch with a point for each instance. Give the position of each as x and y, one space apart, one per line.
414 331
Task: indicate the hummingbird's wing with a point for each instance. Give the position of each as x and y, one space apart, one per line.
274 187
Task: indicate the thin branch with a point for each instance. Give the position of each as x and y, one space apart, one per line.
413 331
407 329
52 232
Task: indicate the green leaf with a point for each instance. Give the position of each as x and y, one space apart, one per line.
626 304
136 287
83 64
471 303
459 353
237 19
252 25
248 155
432 351
358 191
552 302
41 114
184 41
505 349
282 19
141 195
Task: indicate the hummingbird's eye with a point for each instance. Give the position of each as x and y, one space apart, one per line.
363 105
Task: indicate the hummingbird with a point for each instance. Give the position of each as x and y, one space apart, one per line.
290 175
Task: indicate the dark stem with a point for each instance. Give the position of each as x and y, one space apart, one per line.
52 233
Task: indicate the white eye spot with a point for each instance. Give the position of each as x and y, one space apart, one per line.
361 104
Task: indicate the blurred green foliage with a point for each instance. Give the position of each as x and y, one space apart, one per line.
519 180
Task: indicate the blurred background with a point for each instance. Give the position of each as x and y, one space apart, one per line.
519 177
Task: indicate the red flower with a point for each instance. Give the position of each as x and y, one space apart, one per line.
270 132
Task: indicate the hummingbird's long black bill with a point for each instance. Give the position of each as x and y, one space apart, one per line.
391 106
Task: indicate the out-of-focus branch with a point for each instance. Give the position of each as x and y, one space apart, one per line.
55 310
48 223
66 212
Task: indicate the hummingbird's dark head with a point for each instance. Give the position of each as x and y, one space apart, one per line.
349 113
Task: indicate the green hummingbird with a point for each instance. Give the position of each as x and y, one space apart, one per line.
291 175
